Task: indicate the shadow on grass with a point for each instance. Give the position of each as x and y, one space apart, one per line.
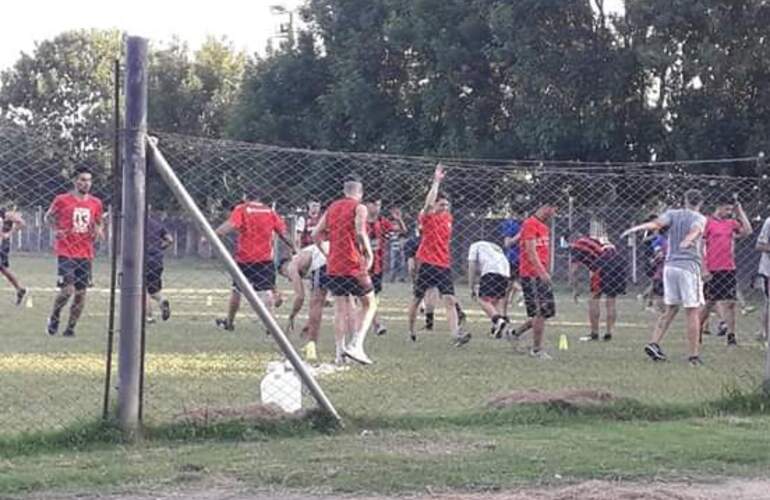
97 434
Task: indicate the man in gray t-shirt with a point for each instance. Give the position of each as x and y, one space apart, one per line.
682 272
763 245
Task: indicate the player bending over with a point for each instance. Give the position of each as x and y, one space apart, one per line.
488 261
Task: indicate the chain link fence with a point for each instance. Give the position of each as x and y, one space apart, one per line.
198 369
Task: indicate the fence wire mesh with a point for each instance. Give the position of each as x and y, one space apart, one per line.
197 370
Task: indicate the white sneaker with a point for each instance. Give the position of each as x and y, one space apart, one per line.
541 354
499 327
358 355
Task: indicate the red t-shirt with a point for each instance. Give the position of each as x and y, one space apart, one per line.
76 220
378 233
534 229
436 237
256 223
719 236
345 258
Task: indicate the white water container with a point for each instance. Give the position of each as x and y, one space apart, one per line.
282 387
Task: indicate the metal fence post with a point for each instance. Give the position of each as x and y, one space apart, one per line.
132 237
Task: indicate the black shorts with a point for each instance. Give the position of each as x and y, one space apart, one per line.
657 287
343 286
430 276
261 275
493 286
73 272
153 276
610 279
514 271
319 280
538 298
5 261
410 247
723 285
377 283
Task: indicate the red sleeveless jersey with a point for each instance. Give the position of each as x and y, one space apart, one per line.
345 258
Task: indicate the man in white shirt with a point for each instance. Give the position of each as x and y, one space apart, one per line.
488 261
308 263
763 245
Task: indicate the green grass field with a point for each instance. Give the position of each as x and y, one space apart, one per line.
50 382
418 416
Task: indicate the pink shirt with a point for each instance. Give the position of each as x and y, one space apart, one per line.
720 244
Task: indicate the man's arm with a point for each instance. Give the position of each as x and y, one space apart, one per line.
530 248
362 235
510 241
745 229
225 228
430 199
763 240
654 225
318 233
473 269
297 285
695 232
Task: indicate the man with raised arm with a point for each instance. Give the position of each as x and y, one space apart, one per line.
682 272
434 258
348 265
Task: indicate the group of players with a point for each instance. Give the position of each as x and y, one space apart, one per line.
340 253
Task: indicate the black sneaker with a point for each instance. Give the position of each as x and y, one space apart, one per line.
695 361
413 336
53 326
722 330
462 339
731 340
165 310
499 327
224 324
590 338
654 351
20 294
69 332
607 337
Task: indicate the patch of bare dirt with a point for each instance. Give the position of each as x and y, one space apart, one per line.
564 398
250 413
734 489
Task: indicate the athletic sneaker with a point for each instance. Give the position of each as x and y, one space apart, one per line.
357 354
150 320
722 329
748 309
731 341
68 332
53 326
590 338
380 330
224 324
654 351
695 361
165 310
540 354
310 351
20 294
462 338
607 337
498 327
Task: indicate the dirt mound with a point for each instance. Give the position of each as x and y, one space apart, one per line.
250 413
562 398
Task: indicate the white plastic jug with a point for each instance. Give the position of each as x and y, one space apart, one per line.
281 386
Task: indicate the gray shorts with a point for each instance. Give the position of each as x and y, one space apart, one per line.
682 287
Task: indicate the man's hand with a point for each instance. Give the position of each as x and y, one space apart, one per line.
626 233
545 278
395 212
706 276
290 324
439 173
685 244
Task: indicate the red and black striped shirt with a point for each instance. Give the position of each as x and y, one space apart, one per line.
587 251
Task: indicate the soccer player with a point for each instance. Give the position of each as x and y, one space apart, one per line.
510 230
348 265
721 281
10 221
303 231
256 224
607 271
308 263
434 258
487 260
77 220
763 246
379 228
397 260
536 285
158 239
682 272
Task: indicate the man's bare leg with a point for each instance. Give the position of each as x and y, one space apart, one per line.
538 332
76 310
693 330
59 302
612 316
